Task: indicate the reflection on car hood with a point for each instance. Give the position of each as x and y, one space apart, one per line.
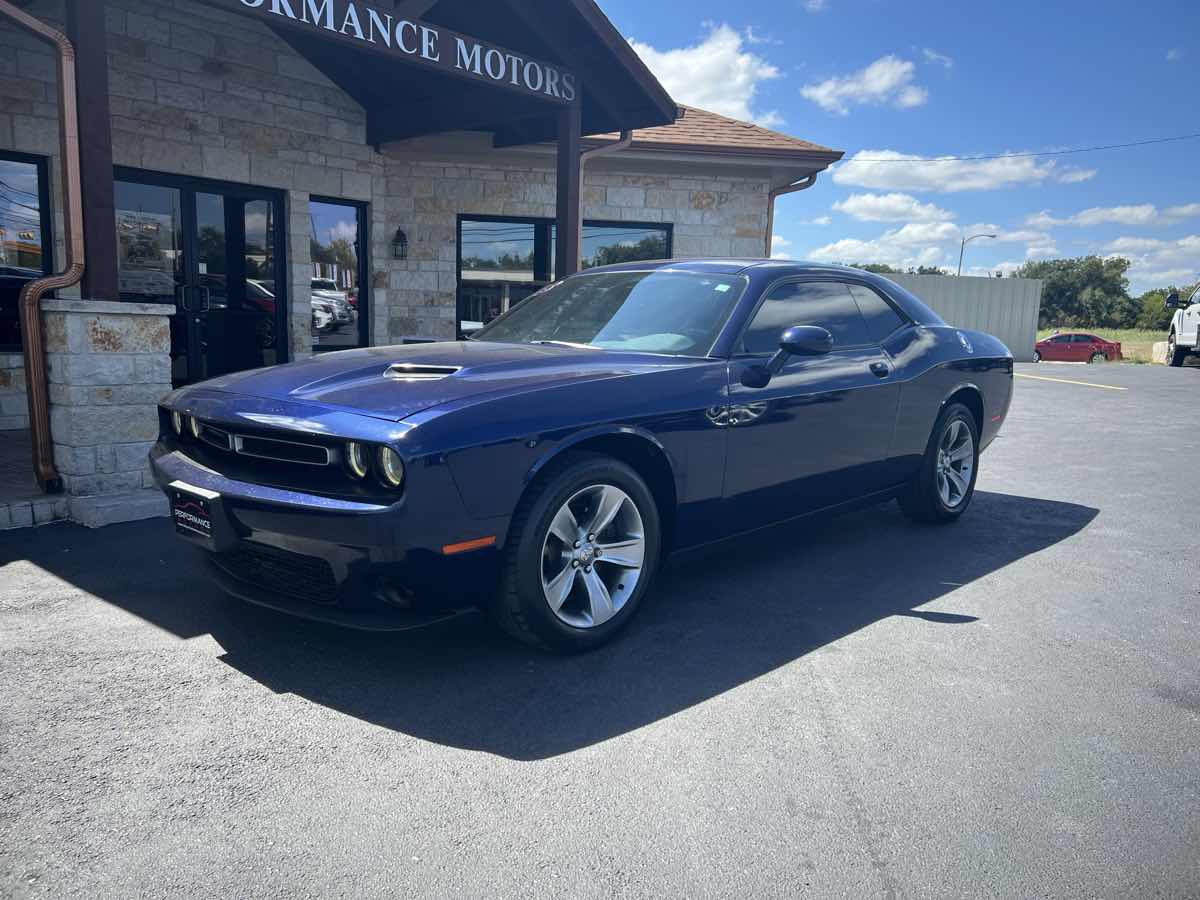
390 383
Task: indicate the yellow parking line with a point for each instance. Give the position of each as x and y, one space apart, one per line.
1107 387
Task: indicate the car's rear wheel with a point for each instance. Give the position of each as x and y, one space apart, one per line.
943 487
1037 357
1175 353
1098 358
582 552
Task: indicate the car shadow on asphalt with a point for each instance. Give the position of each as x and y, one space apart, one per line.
719 618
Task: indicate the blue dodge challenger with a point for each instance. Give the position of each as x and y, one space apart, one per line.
543 469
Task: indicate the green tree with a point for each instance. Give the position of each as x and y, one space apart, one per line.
1153 313
1086 292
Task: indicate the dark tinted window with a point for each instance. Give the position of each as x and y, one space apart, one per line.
1082 338
1061 339
881 319
827 304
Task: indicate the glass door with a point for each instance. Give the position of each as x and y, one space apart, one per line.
212 251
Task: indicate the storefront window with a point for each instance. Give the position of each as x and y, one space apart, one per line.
339 298
503 261
24 237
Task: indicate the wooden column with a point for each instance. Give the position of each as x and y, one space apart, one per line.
566 245
85 28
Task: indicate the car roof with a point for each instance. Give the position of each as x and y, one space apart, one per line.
765 271
731 265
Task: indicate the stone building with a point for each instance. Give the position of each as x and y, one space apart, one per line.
265 179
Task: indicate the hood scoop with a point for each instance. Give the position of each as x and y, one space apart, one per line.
417 372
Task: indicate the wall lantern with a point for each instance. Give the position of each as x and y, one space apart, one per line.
400 245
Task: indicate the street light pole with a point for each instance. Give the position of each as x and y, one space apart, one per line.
963 247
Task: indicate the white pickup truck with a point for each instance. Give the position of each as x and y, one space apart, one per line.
1185 327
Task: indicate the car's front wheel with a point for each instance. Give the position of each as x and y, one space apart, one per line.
1037 357
582 551
1098 358
1175 353
943 487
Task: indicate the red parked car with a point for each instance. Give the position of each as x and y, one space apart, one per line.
1076 346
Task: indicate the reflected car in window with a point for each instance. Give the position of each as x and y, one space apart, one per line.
544 469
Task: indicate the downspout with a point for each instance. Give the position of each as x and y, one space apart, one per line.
623 141
31 294
802 185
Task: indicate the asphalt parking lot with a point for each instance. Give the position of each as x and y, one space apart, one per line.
1006 707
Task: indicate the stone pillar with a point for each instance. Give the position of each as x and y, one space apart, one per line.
300 275
109 364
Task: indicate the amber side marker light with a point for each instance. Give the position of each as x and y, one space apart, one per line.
464 546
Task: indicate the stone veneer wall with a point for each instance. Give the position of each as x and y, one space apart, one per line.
712 215
108 364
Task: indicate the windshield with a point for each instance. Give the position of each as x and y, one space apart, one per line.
664 311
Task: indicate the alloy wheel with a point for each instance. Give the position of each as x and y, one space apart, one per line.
593 555
955 459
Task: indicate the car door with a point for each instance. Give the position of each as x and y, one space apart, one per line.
819 432
1056 348
1189 333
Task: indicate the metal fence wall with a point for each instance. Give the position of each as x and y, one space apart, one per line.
1005 307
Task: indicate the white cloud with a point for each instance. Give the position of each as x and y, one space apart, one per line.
1135 214
1074 176
815 6
779 245
941 59
893 207
1156 263
887 80
718 74
819 220
1005 268
1175 54
911 245
890 170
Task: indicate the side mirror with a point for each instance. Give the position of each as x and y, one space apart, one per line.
1173 301
806 340
799 340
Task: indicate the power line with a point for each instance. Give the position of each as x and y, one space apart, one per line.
939 159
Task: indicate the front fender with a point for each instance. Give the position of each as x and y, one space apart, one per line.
598 431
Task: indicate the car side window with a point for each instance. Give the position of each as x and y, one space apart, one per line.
1061 339
824 303
1082 338
880 317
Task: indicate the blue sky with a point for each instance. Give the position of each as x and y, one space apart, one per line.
887 79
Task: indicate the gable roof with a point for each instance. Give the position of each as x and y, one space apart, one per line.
699 130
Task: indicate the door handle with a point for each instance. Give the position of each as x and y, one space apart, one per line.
881 369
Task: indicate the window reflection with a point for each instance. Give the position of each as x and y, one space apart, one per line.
337 298
21 241
503 261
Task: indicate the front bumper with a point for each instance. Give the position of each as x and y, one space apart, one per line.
343 561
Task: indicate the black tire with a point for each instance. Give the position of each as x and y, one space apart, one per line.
1175 354
1098 358
520 606
921 499
1037 357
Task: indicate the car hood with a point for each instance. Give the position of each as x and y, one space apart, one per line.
396 382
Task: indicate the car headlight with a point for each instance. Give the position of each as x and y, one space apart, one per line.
177 422
356 460
391 467
194 426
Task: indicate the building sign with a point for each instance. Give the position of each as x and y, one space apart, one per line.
358 24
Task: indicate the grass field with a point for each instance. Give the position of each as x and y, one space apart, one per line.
1136 343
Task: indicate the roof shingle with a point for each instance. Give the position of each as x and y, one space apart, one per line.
701 130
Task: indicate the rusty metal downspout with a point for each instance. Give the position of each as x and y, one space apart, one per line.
622 141
802 185
31 294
